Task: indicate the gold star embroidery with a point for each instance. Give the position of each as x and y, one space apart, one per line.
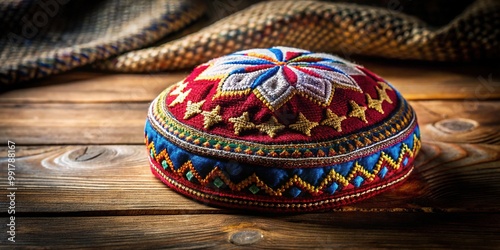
180 98
241 123
193 108
211 118
179 89
303 125
384 86
383 95
374 103
357 111
333 120
271 127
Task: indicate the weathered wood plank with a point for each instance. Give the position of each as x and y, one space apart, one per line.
459 121
318 231
415 81
65 123
88 87
90 178
434 81
122 123
117 180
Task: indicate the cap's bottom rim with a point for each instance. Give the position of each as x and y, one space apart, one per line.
279 205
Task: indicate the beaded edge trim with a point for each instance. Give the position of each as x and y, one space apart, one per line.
275 206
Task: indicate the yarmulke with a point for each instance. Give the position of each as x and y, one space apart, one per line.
281 129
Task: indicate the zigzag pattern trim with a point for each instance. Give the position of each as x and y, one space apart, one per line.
358 170
275 206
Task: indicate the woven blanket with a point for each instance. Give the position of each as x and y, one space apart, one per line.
41 38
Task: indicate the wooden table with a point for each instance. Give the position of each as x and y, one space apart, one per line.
83 180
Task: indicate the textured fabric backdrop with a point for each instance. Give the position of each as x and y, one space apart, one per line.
46 37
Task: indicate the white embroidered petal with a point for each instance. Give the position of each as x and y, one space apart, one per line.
317 88
288 49
338 78
234 59
320 88
346 68
276 90
240 81
265 52
219 70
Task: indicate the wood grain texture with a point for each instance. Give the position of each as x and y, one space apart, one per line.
91 87
117 180
65 123
436 81
318 231
123 123
90 179
459 121
84 182
416 81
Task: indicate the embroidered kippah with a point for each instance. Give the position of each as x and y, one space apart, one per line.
281 130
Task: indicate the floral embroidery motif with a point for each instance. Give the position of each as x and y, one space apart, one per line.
303 125
211 118
275 75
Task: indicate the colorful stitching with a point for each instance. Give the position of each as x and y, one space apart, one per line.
401 118
357 111
211 117
194 137
193 109
241 123
333 120
303 125
375 103
276 206
271 127
180 98
278 73
406 155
